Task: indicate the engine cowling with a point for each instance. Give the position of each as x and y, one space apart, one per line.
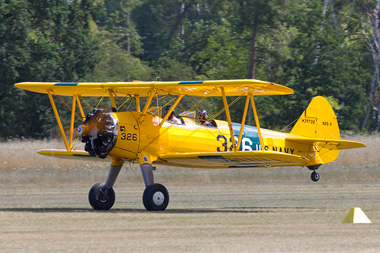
99 131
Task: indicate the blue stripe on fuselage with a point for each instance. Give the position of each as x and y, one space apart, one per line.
250 138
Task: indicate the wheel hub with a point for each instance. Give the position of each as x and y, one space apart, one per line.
103 196
158 198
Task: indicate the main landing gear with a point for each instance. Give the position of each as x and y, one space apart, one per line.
102 195
155 196
315 176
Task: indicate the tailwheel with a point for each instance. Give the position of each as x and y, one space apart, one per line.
101 197
315 176
156 197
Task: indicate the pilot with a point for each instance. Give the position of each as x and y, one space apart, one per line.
202 116
172 118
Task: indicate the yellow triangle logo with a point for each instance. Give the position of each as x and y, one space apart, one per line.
356 215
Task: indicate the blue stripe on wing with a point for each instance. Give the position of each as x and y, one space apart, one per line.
65 84
191 82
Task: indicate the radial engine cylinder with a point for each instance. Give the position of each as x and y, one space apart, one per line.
99 132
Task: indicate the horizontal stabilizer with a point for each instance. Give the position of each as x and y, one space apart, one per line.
332 144
234 159
63 153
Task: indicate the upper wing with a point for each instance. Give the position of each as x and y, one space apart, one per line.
333 144
190 88
233 159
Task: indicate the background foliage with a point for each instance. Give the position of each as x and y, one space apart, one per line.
329 48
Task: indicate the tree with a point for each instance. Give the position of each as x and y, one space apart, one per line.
117 65
40 41
325 61
176 28
14 53
256 16
370 15
117 24
328 48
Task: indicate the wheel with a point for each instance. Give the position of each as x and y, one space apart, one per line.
155 197
315 176
101 197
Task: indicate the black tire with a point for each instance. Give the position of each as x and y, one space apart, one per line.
315 176
101 197
156 197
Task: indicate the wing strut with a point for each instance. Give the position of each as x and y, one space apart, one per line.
113 103
243 121
146 107
257 122
228 118
137 97
58 120
75 101
171 109
72 122
80 107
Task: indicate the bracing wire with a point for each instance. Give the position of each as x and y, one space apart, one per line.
68 107
100 100
85 101
229 105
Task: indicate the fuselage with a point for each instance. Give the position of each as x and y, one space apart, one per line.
136 134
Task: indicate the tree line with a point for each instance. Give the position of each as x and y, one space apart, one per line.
329 48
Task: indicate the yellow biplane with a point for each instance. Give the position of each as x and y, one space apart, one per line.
151 138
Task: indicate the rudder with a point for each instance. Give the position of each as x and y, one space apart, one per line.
317 121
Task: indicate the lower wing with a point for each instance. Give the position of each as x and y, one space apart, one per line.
233 159
63 153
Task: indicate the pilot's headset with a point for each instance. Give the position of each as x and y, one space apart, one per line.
204 112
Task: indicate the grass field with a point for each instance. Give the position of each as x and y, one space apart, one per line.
213 217
44 207
19 163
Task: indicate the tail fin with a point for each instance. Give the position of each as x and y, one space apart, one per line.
318 121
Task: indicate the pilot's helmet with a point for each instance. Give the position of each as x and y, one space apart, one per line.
167 109
203 112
